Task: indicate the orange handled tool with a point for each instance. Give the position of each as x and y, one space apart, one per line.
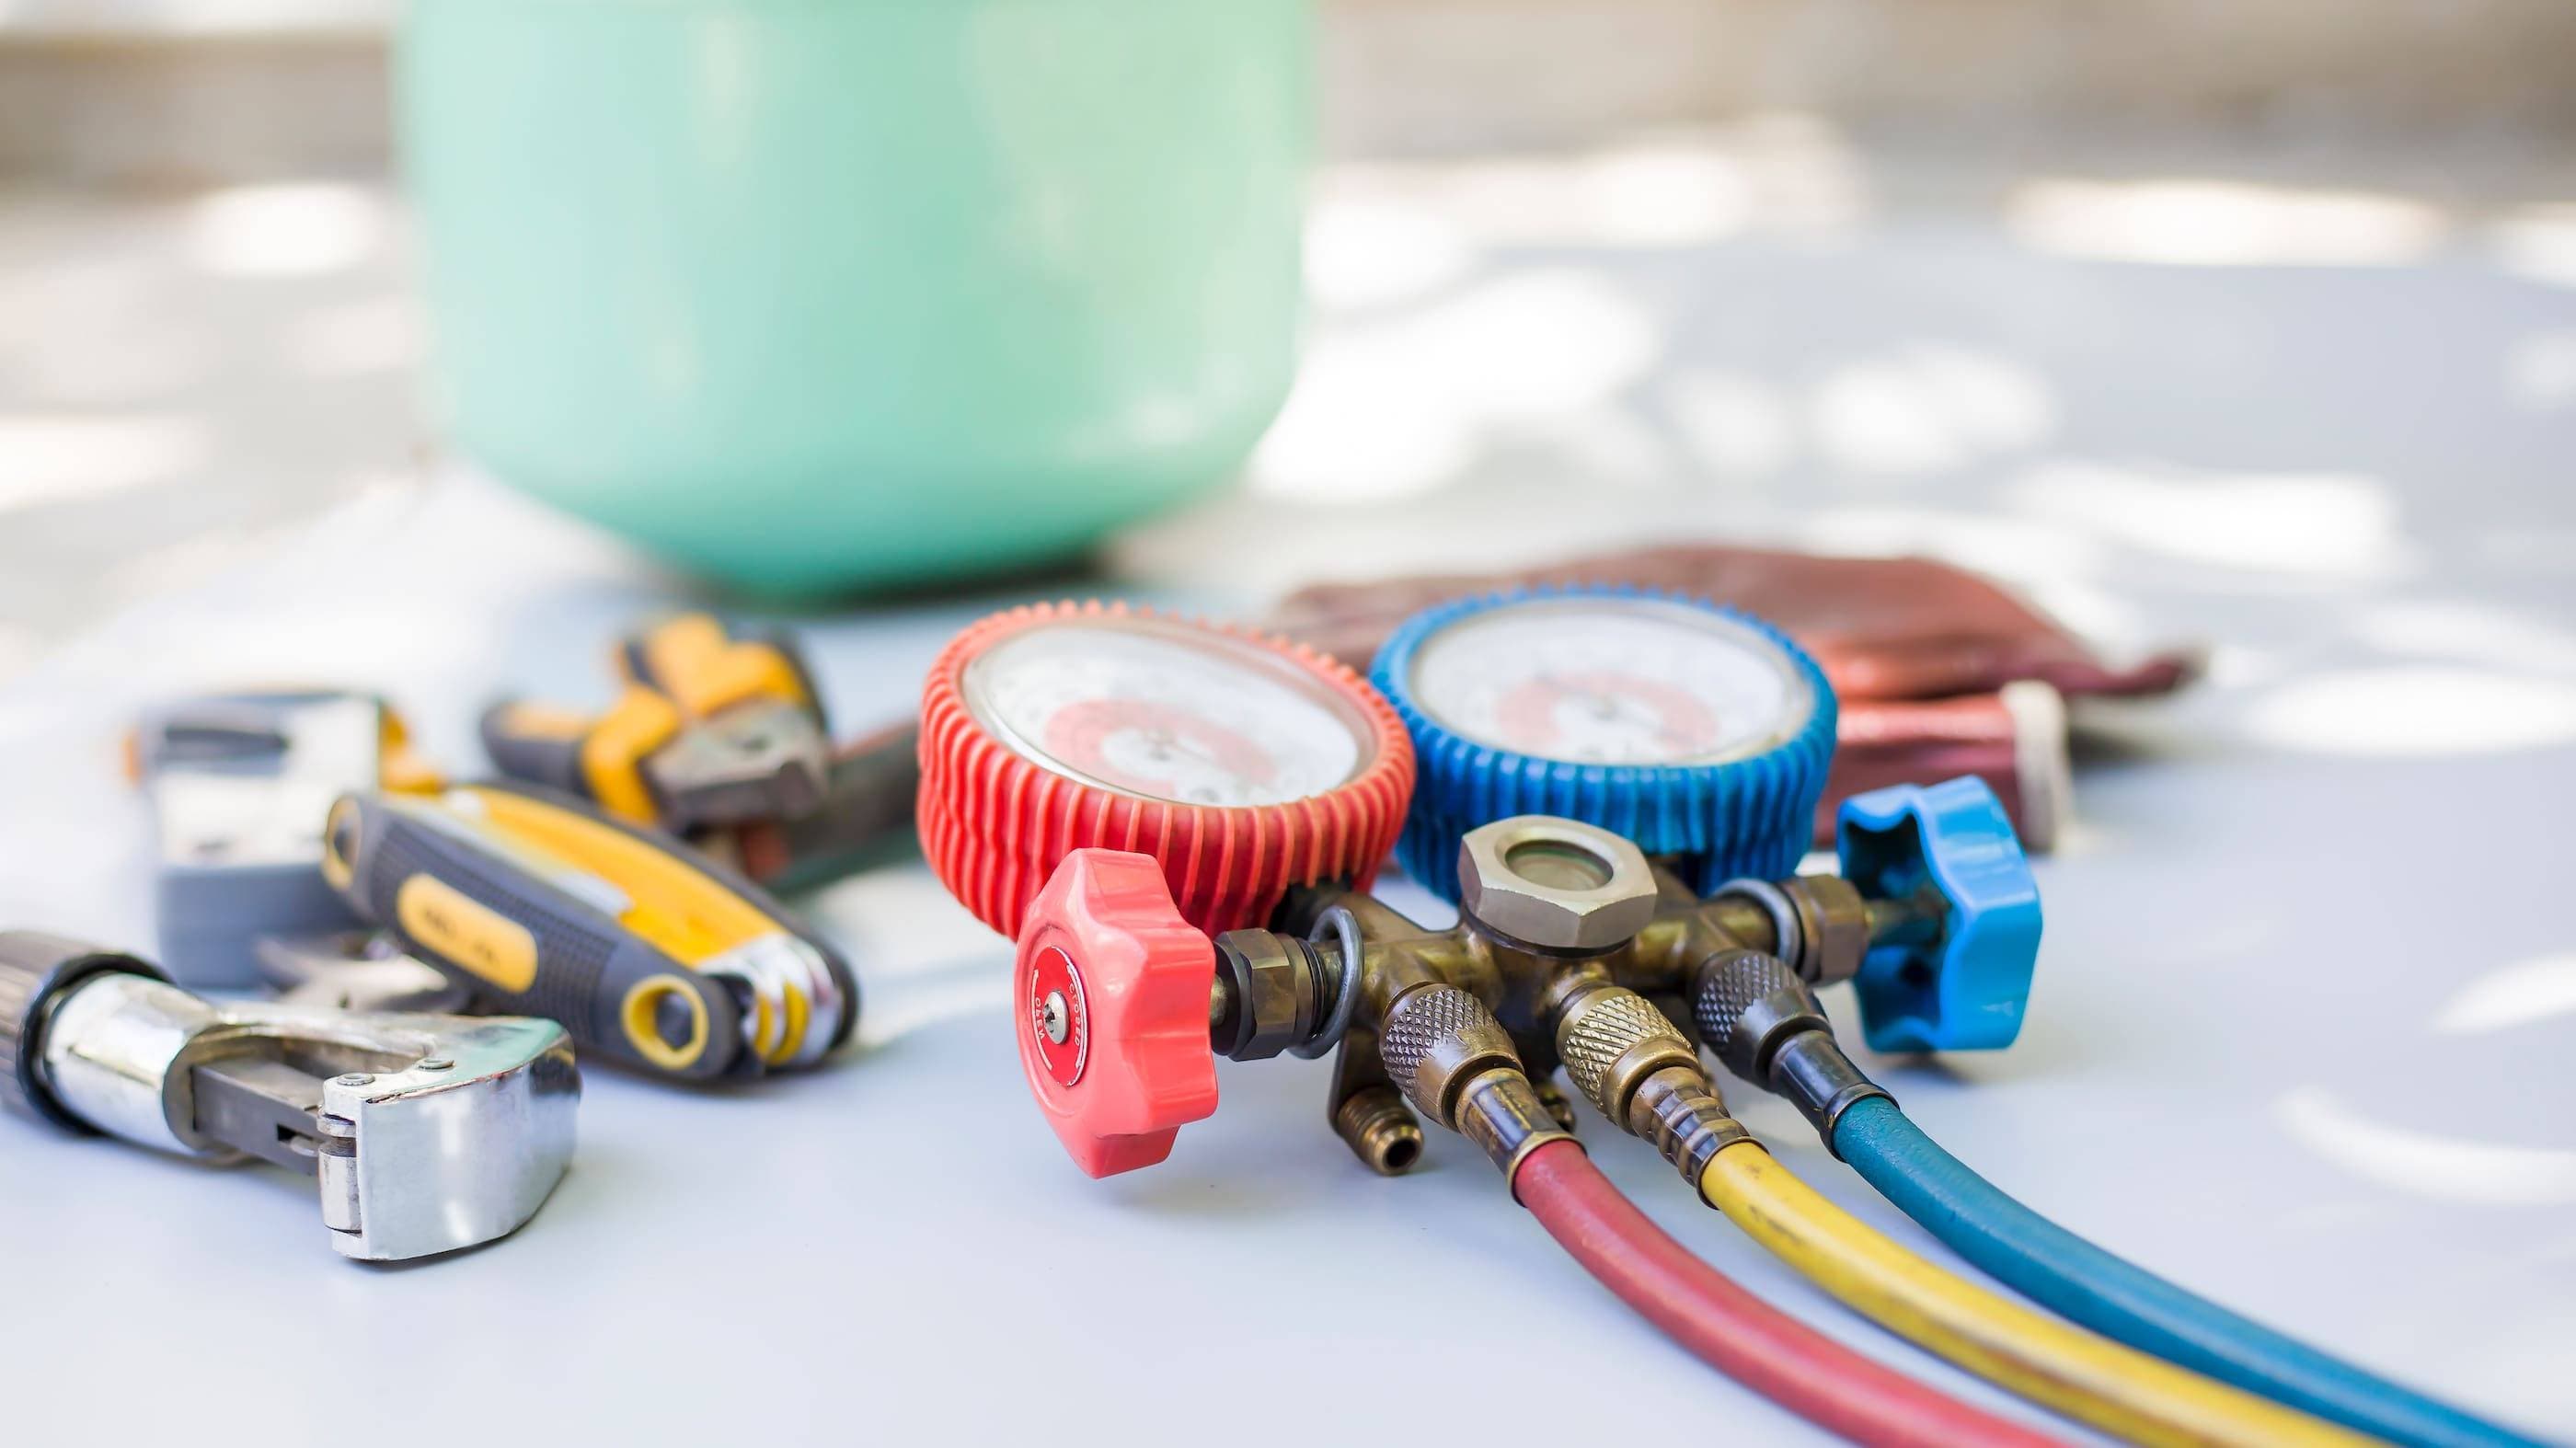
711 728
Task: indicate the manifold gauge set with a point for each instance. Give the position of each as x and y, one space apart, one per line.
1179 826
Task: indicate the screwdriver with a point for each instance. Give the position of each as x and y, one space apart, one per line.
645 950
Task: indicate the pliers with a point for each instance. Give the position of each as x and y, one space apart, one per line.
710 729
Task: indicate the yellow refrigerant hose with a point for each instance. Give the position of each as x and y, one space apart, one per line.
2088 1378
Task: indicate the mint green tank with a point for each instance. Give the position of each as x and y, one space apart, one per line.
818 294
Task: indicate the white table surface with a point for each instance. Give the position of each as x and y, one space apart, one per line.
2304 1034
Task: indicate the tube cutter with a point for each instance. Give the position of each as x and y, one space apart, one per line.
426 1133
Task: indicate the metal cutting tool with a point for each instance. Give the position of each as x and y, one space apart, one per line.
425 1133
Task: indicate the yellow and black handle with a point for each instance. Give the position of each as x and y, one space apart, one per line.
597 757
643 949
702 666
676 675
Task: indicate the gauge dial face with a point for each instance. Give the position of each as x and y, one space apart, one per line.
1167 711
1612 681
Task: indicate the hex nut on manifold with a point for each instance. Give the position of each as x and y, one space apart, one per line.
1555 884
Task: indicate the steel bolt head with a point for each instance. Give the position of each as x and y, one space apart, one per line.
1555 884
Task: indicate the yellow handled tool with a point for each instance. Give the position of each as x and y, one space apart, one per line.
642 948
711 728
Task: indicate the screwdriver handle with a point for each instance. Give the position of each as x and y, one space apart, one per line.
539 743
598 757
700 664
528 937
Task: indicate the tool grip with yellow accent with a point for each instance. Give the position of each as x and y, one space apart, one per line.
603 758
699 663
538 743
533 933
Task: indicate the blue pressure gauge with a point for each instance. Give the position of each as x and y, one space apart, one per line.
1694 730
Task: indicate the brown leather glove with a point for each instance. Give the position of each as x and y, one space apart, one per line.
1891 633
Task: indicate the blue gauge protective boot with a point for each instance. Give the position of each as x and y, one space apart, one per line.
1698 732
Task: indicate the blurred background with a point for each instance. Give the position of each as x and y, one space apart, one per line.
2160 285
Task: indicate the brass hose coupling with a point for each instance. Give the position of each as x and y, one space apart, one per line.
1640 1071
1445 1051
1767 1026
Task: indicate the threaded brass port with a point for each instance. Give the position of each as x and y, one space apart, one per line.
1375 1124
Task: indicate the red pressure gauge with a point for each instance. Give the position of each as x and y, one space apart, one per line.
1242 763
1226 765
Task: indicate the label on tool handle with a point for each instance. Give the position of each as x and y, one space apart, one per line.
498 951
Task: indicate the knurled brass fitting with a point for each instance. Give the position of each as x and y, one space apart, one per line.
1638 1068
1750 1003
1436 1038
1767 1026
1445 1051
1612 1039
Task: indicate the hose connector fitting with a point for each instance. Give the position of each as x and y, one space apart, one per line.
1767 1027
1455 1063
1611 1039
1680 1111
1643 1074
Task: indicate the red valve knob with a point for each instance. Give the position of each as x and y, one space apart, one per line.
1111 988
1042 733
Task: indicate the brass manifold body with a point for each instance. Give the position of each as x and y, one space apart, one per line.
1571 949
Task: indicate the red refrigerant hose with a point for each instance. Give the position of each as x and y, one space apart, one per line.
1735 1332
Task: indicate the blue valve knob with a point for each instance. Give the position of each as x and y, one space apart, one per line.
1693 730
1957 978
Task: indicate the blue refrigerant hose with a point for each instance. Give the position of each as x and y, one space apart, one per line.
2070 1276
